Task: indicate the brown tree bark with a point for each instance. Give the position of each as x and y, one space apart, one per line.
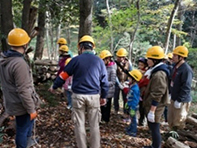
86 7
41 31
170 22
6 21
25 15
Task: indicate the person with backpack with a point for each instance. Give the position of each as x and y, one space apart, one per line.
19 95
133 98
156 94
106 56
89 87
123 67
180 87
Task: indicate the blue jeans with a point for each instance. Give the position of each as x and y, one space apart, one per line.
132 129
68 95
23 130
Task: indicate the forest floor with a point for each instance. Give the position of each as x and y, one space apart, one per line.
54 127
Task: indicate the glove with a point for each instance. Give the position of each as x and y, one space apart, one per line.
126 106
33 115
151 116
132 112
121 86
126 84
174 134
177 104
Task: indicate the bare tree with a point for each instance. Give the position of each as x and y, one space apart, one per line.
170 22
110 26
6 21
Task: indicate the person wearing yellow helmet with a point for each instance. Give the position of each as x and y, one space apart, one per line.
133 98
180 87
90 87
19 95
123 67
170 55
156 93
106 56
63 56
61 41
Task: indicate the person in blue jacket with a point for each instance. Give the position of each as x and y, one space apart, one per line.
133 98
90 88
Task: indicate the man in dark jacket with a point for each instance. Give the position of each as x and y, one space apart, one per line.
90 87
180 89
20 98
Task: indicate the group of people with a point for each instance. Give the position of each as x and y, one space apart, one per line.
93 81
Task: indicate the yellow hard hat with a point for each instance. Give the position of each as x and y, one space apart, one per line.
67 61
155 52
121 52
87 38
62 41
165 57
136 74
18 37
104 54
64 48
181 51
170 55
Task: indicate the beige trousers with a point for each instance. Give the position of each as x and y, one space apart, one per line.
90 103
177 117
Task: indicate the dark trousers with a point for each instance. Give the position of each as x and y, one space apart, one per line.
155 132
23 130
106 110
142 113
116 98
165 113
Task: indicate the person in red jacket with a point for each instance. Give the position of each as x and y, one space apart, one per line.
142 66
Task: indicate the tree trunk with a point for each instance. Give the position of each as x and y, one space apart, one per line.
174 41
40 37
135 31
170 22
194 115
6 21
179 26
192 121
32 20
173 143
25 15
110 26
85 26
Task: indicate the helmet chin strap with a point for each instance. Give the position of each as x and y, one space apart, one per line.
178 61
25 49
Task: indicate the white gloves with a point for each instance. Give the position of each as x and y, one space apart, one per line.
121 86
151 116
177 104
